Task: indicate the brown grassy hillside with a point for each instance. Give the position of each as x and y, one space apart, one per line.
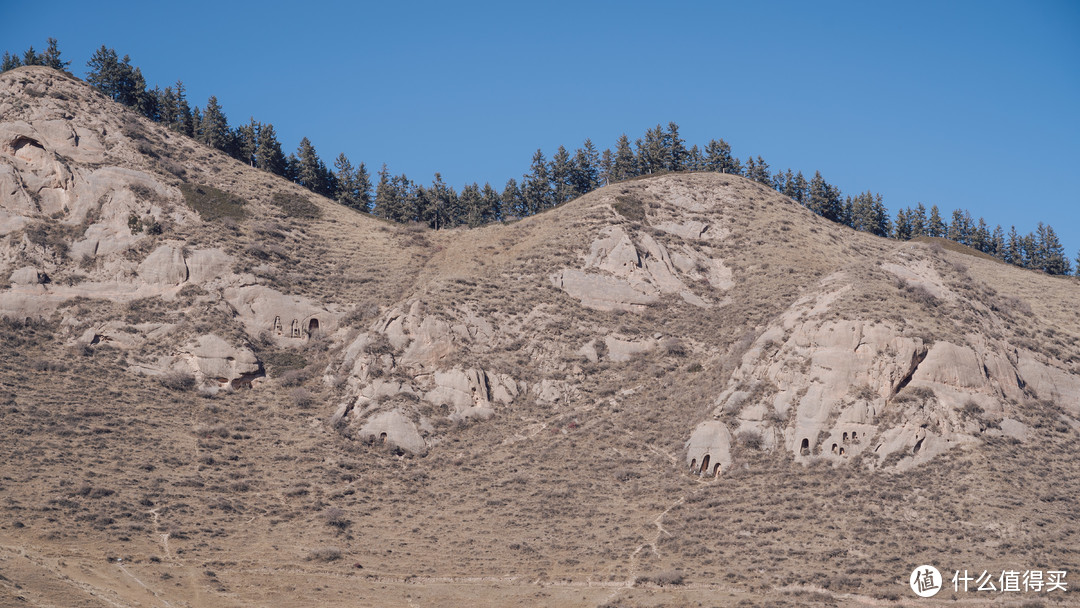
127 483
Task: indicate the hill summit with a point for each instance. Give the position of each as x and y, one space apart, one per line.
289 371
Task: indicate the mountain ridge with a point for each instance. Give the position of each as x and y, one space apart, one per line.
598 352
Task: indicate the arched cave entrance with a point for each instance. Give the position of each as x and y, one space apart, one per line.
716 470
382 437
918 446
805 449
313 326
693 464
834 448
705 463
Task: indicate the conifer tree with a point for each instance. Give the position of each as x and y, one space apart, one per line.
30 57
960 228
935 225
901 226
246 138
1052 252
386 205
491 204
585 170
997 242
311 173
184 118
918 221
536 191
214 126
980 236
442 208
472 203
694 159
513 202
676 149
825 199
625 165
607 167
1014 248
9 62
353 184
561 177
718 157
268 154
51 57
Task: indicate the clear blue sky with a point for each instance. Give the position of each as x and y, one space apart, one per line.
959 104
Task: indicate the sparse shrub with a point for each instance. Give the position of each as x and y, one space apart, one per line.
177 380
668 577
674 347
294 377
751 439
301 398
295 205
630 206
325 554
336 518
211 203
971 410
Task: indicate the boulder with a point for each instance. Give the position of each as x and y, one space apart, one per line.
165 265
393 427
708 451
28 275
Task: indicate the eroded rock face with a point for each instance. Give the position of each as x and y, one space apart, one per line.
404 369
393 427
287 319
708 451
826 388
218 364
625 271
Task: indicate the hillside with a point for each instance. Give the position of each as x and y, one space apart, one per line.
252 395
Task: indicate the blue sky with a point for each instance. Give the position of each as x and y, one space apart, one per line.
959 104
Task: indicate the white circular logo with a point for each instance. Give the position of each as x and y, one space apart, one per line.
925 581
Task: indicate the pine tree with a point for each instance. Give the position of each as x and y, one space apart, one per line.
694 160
442 206
247 142
919 222
1053 253
214 126
1014 248
718 157
980 236
802 189
30 57
676 156
491 204
311 172
935 225
625 165
997 242
268 154
513 202
167 110
652 152
362 187
185 120
350 191
959 229
51 57
779 180
536 190
901 226
585 171
825 199
386 203
607 167
473 204
561 178
10 62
